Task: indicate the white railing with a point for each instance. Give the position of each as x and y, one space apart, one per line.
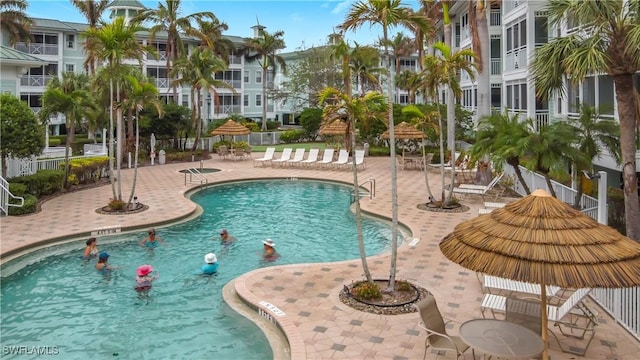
509 5
163 83
35 80
37 49
516 59
464 34
227 109
542 119
495 17
161 56
496 66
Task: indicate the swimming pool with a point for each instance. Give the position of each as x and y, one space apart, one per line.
60 302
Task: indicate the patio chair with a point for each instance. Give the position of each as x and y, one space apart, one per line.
284 157
447 165
311 158
524 312
223 151
298 156
469 189
435 326
267 158
360 159
327 157
343 158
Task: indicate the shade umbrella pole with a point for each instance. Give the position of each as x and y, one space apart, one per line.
543 311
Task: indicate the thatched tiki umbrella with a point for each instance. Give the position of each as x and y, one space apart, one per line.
231 128
539 239
404 131
336 127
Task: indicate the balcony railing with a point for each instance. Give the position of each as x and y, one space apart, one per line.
496 66
542 119
227 109
495 17
464 34
37 49
234 59
516 59
35 80
511 5
159 56
163 83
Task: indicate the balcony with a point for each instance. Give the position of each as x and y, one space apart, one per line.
496 66
542 119
495 17
163 83
510 5
37 49
35 80
227 109
516 59
159 56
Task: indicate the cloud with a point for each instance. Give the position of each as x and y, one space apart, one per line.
296 17
341 6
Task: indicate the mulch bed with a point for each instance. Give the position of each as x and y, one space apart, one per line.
398 302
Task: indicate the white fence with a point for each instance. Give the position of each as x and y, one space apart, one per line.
622 304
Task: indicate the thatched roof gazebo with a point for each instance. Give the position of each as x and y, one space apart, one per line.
404 131
336 127
231 128
539 239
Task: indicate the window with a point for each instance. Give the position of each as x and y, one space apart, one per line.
523 96
510 96
245 100
605 95
573 97
258 76
258 100
517 95
509 39
589 91
246 76
496 96
70 68
541 31
71 41
185 100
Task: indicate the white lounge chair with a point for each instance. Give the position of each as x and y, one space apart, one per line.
311 158
284 157
298 156
360 159
468 189
343 158
267 158
327 157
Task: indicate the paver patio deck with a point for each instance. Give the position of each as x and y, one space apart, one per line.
317 324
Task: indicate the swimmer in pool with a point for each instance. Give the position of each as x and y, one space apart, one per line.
211 264
152 241
91 250
144 278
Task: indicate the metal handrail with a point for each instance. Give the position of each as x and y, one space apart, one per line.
5 194
191 172
372 190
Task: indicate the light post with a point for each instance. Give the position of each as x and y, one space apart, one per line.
208 108
602 194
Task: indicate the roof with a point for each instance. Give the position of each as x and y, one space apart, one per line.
135 4
58 25
13 56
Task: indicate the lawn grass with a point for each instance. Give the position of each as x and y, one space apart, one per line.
308 146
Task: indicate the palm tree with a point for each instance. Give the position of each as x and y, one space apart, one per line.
402 46
356 109
213 29
425 121
264 49
198 71
167 21
14 21
498 137
114 42
92 11
140 94
364 62
340 50
482 47
387 14
409 81
432 10
592 134
615 52
443 69
71 97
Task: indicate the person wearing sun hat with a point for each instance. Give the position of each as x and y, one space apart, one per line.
270 253
211 264
144 278
102 264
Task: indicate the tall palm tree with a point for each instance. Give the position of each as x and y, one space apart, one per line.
387 14
442 70
167 21
402 46
264 49
14 21
409 81
425 121
364 62
71 97
356 109
92 11
212 30
615 52
340 50
498 137
114 42
482 47
198 71
592 134
140 95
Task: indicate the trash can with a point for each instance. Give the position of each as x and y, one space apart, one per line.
366 149
162 157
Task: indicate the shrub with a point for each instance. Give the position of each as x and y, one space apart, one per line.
404 285
273 125
54 142
379 151
291 136
87 170
366 290
252 126
29 207
17 189
115 204
44 182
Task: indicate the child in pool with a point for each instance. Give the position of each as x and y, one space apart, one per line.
144 278
91 250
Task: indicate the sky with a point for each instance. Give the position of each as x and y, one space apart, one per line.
305 23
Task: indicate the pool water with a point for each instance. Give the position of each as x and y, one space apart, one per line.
61 302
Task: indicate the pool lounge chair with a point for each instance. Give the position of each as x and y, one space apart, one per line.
267 158
284 157
468 189
297 157
343 158
360 159
311 158
327 158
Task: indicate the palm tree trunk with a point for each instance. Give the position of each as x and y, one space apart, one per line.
394 170
66 156
118 145
199 121
135 162
483 107
441 127
451 122
111 177
625 99
264 98
426 173
516 169
356 193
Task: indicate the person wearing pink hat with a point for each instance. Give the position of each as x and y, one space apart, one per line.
144 278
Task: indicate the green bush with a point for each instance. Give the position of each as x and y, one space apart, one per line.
273 125
186 155
379 151
88 170
29 207
44 182
403 285
366 290
616 210
17 189
291 136
54 142
252 126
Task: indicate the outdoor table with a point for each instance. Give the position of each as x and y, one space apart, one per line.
501 338
413 162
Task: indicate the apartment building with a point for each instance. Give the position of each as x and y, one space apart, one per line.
57 47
